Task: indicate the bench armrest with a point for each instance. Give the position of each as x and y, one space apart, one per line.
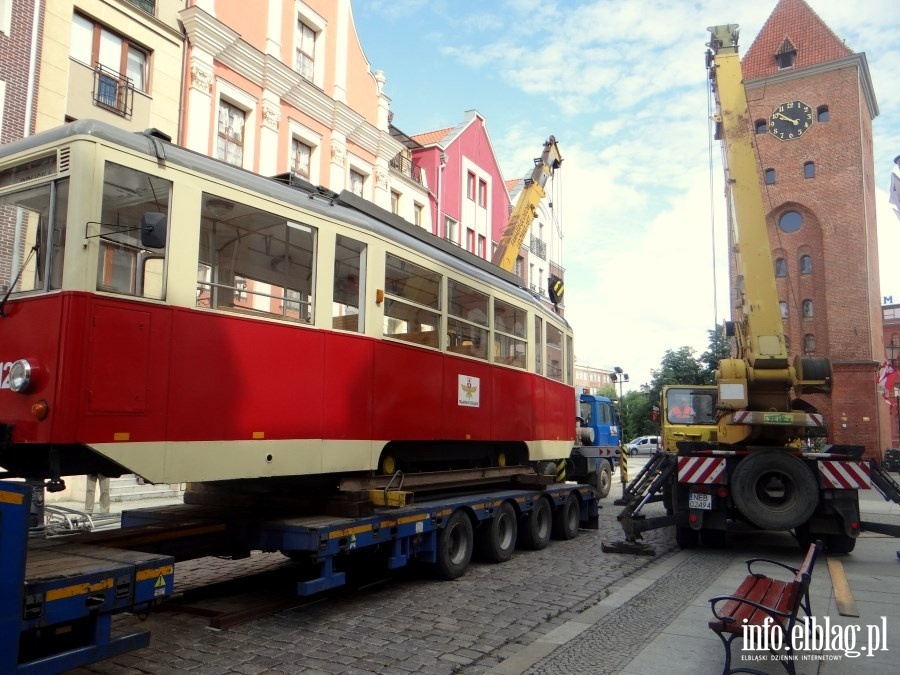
771 611
750 562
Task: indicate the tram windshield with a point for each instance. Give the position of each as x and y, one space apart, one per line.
31 253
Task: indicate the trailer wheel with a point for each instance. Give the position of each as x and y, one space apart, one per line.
839 543
566 518
534 530
497 536
601 479
774 490
455 546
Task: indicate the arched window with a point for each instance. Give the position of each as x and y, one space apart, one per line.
783 306
780 267
807 309
809 343
805 264
790 221
822 113
770 176
761 126
809 170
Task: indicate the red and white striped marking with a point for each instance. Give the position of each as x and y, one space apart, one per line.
845 475
710 470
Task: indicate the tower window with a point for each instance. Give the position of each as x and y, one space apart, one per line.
780 267
822 113
790 221
809 170
805 264
761 126
786 56
809 343
807 309
770 176
783 306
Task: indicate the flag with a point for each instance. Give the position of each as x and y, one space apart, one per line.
885 380
894 192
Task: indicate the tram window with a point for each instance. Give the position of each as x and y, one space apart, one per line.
25 215
538 344
570 360
127 195
413 292
349 284
554 353
510 346
255 262
467 320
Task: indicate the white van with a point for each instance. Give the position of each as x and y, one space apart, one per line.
644 445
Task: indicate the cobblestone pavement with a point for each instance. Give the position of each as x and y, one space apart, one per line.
612 642
410 624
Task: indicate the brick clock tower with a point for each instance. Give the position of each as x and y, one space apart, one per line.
812 105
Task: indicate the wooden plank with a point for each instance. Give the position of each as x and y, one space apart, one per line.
843 596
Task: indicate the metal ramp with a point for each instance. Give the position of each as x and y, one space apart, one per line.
647 487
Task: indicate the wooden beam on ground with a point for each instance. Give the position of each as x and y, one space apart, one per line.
843 596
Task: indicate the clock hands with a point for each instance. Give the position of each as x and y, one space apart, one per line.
786 118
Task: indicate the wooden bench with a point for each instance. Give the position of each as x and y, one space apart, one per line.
759 598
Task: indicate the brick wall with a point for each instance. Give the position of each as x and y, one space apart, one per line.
15 51
838 233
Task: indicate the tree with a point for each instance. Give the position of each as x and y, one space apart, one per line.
719 348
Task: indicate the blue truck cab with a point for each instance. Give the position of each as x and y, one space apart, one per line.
597 440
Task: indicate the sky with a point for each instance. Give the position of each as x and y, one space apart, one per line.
622 85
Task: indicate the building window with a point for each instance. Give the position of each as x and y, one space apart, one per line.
450 229
806 264
395 202
761 126
230 140
148 6
470 240
790 221
807 309
5 17
770 176
417 213
304 59
357 183
95 46
481 245
783 306
301 153
482 193
470 186
809 343
809 170
520 266
822 113
786 56
780 267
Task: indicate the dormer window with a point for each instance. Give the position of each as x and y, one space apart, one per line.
786 56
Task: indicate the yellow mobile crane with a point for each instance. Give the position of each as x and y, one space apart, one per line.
526 206
756 470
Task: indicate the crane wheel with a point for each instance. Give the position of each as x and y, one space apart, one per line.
774 490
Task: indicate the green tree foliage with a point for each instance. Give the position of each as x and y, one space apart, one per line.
719 348
609 391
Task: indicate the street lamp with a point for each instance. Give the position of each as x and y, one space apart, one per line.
621 376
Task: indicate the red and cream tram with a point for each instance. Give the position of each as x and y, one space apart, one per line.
170 315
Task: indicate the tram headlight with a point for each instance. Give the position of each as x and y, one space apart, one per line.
20 376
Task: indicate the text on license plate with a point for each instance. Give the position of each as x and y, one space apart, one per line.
698 500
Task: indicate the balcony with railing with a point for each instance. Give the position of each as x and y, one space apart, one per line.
538 247
113 91
403 165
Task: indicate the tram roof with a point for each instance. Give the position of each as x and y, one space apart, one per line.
344 206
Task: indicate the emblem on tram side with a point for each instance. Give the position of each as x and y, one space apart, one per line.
468 391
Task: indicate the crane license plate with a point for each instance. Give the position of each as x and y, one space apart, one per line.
700 500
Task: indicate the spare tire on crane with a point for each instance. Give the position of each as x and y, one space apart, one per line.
774 490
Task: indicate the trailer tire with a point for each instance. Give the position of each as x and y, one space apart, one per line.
601 479
774 490
566 518
839 543
497 535
535 529
455 542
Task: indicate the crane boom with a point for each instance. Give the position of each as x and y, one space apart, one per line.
526 206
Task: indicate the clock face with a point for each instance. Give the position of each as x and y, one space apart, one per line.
790 120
